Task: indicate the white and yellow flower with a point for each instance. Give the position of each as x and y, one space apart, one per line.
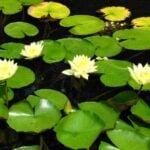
33 50
81 66
141 74
7 69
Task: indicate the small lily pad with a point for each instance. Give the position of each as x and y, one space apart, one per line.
33 147
22 117
142 110
105 46
141 22
83 24
20 29
115 13
134 39
11 50
23 77
6 6
79 129
77 46
30 2
106 146
51 10
111 70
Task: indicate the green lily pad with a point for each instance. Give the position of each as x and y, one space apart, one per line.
103 110
3 111
33 147
142 110
55 97
79 129
77 46
11 50
111 70
105 45
53 52
83 24
6 7
23 77
141 127
51 10
106 146
134 39
125 137
43 116
123 100
20 29
141 22
29 2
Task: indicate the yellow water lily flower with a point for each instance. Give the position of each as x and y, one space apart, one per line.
33 50
141 74
81 66
7 69
115 13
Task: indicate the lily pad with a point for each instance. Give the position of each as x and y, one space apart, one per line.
141 22
103 110
111 70
134 39
142 110
106 146
83 24
125 137
33 147
51 10
79 129
77 46
43 116
30 2
3 111
53 52
6 7
115 13
20 29
55 97
11 50
105 46
23 77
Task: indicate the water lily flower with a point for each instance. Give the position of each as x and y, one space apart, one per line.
141 74
33 50
81 66
7 69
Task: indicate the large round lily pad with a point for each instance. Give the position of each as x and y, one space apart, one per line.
52 10
20 29
23 77
79 129
22 117
83 24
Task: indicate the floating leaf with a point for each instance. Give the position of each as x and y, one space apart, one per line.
55 97
76 126
23 77
33 147
103 110
83 24
106 146
111 70
30 2
22 117
141 22
6 6
20 29
134 39
51 10
77 46
115 13
125 137
142 110
123 100
53 52
3 111
11 50
105 46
